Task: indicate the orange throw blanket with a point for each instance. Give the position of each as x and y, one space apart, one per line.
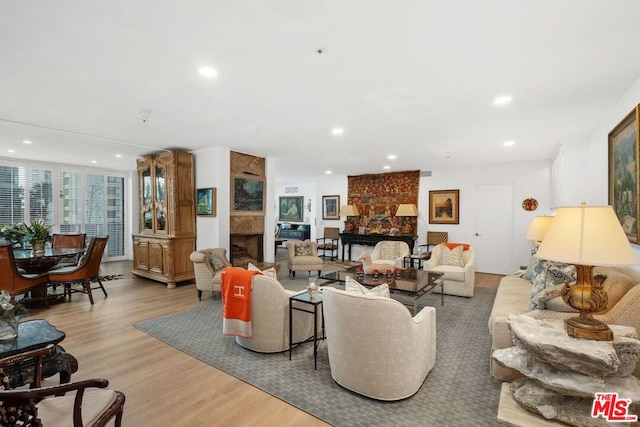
236 301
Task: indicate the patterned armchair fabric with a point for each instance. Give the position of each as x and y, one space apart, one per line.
207 267
384 353
303 256
270 318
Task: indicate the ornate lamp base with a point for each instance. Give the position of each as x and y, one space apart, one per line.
588 297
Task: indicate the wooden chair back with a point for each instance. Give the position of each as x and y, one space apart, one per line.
64 241
90 264
434 238
331 233
10 277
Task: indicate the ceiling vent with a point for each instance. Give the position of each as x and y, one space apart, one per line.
425 173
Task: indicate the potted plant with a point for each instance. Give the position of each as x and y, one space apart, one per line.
38 234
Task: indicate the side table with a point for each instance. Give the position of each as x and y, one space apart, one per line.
408 261
32 335
315 308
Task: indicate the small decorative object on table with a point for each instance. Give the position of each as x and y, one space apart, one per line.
312 287
389 274
376 274
8 320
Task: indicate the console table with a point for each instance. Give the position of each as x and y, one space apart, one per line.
296 232
371 240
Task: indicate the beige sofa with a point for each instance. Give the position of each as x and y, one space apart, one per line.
514 294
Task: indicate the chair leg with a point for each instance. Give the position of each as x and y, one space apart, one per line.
87 287
199 294
102 286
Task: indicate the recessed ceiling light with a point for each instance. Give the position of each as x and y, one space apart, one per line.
509 143
392 157
337 131
386 167
11 150
208 72
118 155
328 172
94 161
502 100
26 141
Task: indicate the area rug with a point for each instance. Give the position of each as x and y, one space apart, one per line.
111 277
458 391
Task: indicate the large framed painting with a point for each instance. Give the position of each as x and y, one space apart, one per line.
330 207
206 199
623 173
247 195
444 207
291 208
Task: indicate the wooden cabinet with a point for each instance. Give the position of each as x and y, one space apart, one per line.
167 218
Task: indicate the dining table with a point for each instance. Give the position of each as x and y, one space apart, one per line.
36 264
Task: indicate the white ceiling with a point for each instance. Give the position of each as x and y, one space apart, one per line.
415 78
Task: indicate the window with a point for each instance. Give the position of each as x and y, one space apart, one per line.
89 202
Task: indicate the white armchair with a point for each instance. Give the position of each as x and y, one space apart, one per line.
270 318
385 353
459 279
207 267
386 255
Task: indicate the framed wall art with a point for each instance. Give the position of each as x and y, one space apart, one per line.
330 207
444 207
247 195
206 200
290 208
623 173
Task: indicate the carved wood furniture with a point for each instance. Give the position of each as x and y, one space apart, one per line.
91 403
167 218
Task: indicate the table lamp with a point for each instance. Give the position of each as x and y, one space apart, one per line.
586 236
349 211
537 230
407 210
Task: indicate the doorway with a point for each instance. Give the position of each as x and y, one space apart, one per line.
493 234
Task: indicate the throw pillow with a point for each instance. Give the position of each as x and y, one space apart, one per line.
452 256
217 262
547 274
303 250
465 246
618 282
270 272
356 288
388 250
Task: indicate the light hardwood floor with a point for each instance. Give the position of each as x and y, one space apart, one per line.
163 386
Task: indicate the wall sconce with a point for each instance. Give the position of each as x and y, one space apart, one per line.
309 205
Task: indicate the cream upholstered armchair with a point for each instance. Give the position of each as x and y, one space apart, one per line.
384 353
303 256
456 261
386 255
270 317
207 267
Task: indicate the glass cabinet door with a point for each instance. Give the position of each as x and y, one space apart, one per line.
147 199
161 198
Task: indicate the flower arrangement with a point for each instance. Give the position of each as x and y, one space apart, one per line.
20 232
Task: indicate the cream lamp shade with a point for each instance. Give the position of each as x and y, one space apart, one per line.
349 210
407 210
538 228
586 235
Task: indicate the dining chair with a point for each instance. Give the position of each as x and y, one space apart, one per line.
87 270
68 241
14 281
90 404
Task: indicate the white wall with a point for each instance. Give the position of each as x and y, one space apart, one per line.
212 169
530 179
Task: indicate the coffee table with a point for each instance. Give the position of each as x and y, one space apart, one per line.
414 283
